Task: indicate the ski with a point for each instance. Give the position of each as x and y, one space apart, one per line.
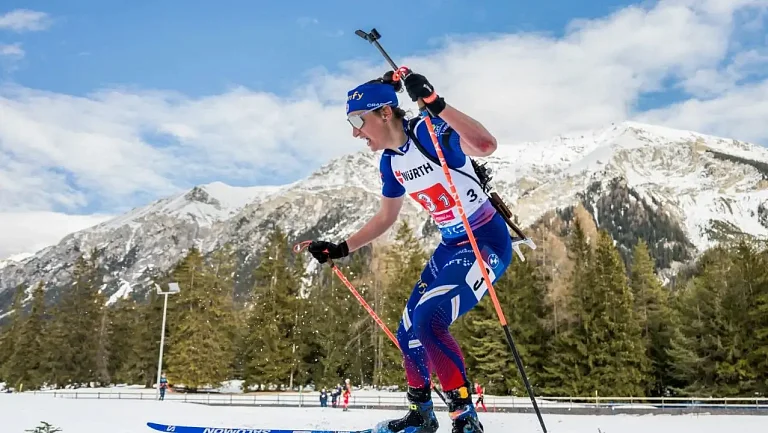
195 429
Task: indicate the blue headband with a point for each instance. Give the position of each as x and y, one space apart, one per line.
371 95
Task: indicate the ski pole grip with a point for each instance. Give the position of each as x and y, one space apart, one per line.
402 73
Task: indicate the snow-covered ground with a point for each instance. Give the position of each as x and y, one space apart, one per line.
21 412
231 394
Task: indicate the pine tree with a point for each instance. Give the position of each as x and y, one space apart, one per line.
271 337
238 342
568 369
718 345
199 351
75 332
655 318
620 362
137 361
697 348
9 332
334 314
121 327
487 349
522 291
599 348
758 355
222 267
57 357
746 280
102 374
24 367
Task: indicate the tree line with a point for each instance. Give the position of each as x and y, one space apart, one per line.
584 319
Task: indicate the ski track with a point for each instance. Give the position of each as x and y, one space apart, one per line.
20 412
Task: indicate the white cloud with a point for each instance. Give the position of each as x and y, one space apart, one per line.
28 232
740 113
21 20
59 152
11 50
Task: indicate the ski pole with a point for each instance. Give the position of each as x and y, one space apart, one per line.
402 73
302 245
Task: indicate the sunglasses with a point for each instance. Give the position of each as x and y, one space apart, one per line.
357 121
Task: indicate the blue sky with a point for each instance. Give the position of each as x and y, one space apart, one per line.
106 106
204 47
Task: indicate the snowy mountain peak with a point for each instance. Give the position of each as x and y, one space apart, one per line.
15 259
656 135
587 152
203 204
354 170
200 195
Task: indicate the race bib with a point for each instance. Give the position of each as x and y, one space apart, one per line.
437 201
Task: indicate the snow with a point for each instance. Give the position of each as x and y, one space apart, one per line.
122 292
357 170
25 411
20 257
233 197
15 259
667 164
205 204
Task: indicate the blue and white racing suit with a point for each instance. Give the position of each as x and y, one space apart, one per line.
451 282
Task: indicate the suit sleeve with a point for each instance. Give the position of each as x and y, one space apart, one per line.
390 186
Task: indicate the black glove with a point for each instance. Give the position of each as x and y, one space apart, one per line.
418 87
323 250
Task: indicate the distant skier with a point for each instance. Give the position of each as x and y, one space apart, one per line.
347 394
323 398
480 399
451 282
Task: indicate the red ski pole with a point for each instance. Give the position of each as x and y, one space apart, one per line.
301 245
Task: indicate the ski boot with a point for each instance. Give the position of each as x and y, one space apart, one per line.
419 419
462 411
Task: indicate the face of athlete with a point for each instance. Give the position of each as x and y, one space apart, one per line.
371 126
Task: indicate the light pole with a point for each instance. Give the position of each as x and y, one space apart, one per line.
172 288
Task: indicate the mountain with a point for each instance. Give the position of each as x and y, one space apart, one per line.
681 190
137 244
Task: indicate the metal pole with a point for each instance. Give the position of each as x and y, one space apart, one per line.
162 341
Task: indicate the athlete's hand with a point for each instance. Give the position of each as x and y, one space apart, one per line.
323 250
418 87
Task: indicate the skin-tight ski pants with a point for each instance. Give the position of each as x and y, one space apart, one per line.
450 285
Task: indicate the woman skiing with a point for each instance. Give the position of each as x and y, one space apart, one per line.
451 282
